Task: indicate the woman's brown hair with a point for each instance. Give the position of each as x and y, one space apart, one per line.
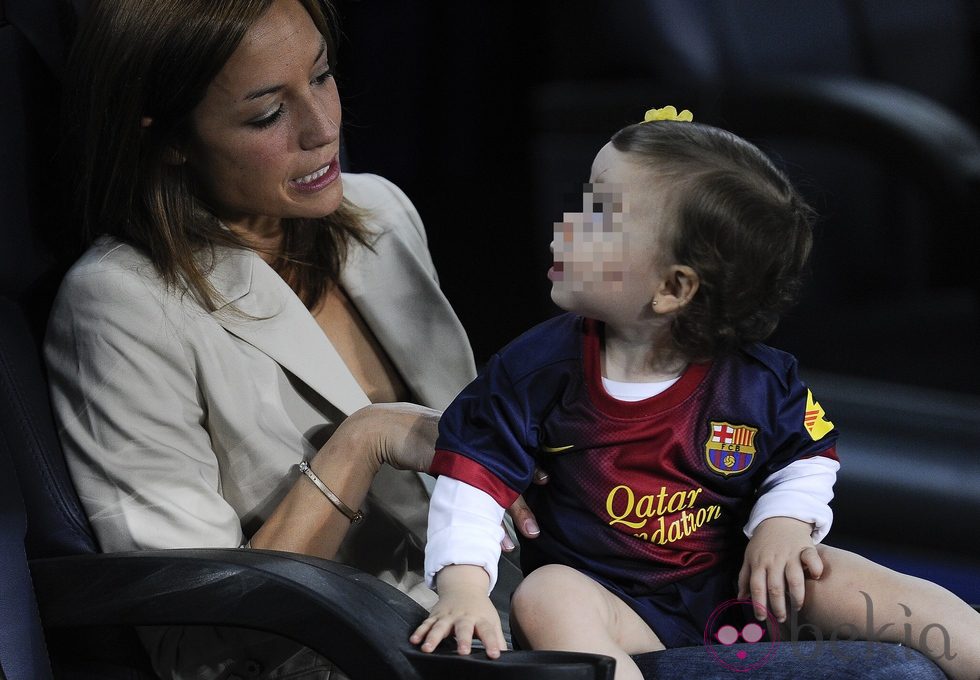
138 58
739 223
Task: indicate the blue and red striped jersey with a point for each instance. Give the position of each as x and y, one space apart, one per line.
641 494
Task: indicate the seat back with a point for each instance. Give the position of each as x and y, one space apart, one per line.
23 653
33 40
896 204
32 52
42 515
56 523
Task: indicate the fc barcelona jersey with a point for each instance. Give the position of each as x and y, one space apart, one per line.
641 494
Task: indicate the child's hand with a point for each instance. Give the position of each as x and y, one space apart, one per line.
463 609
775 558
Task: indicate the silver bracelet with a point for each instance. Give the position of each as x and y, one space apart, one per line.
354 516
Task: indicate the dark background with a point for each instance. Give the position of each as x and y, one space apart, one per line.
488 114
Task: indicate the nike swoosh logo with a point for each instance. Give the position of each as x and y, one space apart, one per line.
556 449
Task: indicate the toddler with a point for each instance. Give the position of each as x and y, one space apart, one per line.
688 463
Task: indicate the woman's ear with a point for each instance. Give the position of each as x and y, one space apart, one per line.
678 287
172 156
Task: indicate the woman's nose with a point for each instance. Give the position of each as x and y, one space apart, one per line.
319 127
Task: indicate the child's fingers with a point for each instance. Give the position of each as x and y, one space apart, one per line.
438 632
759 592
419 634
795 583
811 560
776 590
492 635
743 580
464 636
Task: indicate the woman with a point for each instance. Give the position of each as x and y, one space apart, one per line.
246 307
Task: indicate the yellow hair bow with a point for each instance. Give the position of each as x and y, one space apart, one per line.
668 113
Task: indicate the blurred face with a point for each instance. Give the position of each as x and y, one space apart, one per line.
608 259
265 138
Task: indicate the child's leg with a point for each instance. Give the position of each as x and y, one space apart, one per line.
559 608
857 598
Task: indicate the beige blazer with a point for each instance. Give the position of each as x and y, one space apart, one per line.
183 428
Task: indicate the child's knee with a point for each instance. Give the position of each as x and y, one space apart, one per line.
539 593
539 586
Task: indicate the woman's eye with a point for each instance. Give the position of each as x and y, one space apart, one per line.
268 120
323 77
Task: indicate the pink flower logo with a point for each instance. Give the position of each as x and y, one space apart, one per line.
740 649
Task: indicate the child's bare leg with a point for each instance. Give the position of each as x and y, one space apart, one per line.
559 608
859 599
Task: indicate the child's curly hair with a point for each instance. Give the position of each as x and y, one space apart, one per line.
740 225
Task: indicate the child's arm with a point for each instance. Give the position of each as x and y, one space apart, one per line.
780 549
463 609
790 516
802 490
461 562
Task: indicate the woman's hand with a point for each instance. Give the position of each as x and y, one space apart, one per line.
775 559
523 518
401 435
463 609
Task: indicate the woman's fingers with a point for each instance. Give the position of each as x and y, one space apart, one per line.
506 543
401 435
524 520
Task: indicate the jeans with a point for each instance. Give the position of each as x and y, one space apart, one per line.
798 660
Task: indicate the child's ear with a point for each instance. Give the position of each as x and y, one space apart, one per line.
677 288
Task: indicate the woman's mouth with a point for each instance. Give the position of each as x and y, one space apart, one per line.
318 179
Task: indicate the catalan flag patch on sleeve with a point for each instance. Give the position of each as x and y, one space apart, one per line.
814 419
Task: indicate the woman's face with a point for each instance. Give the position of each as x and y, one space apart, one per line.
266 137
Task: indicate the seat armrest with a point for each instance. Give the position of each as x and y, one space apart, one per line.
357 621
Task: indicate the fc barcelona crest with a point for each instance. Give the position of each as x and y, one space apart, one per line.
730 449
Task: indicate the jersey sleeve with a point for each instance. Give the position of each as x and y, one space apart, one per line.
801 427
483 436
798 476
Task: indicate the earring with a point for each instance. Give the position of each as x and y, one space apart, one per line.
653 304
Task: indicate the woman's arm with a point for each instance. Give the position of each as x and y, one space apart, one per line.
305 521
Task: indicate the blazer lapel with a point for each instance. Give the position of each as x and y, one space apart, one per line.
411 318
272 319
